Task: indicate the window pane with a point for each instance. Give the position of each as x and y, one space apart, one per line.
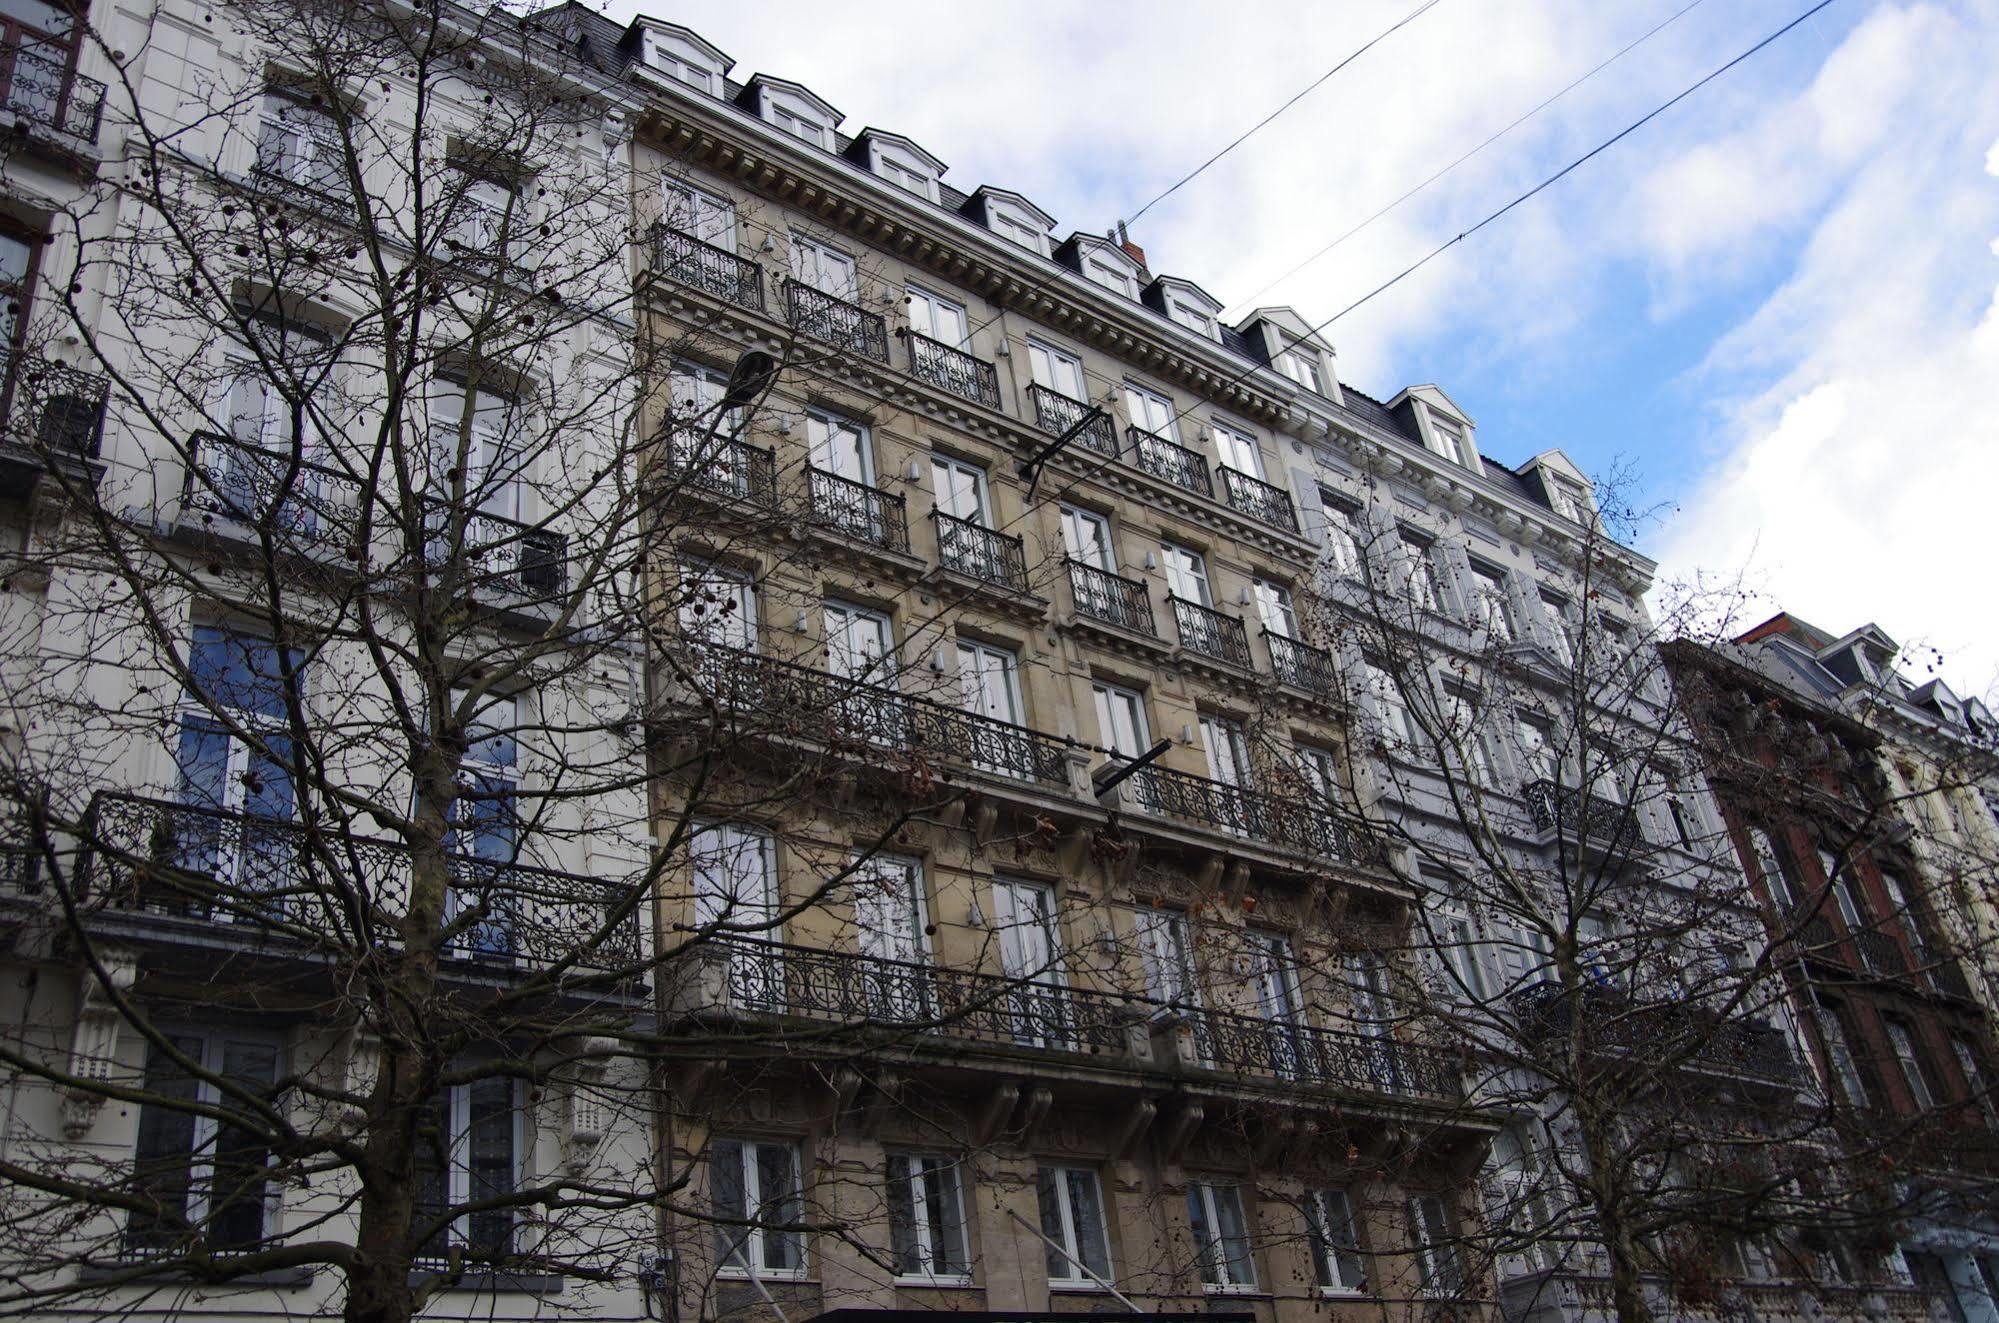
947 1234
1233 1227
1048 1191
433 1168
238 1191
1335 1246
161 1170
1092 1244
902 1219
777 1188
726 1195
490 1160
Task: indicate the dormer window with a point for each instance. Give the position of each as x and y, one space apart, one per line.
908 178
901 162
1013 218
1447 438
686 59
792 108
1016 230
1301 366
1567 499
1195 319
800 125
1100 271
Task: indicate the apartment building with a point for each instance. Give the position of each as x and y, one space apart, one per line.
1008 544
306 655
1902 1050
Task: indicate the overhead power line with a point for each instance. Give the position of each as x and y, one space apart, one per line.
1253 129
1586 157
1655 31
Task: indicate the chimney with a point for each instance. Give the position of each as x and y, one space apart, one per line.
1131 249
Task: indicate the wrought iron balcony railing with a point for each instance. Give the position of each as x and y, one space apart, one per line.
1948 978
52 408
1879 952
689 261
1150 453
20 869
297 500
1287 824
1302 666
39 86
979 552
495 554
1615 1021
1258 499
1101 595
1057 413
792 700
954 370
1044 1014
1327 1058
268 878
723 467
867 514
833 319
1608 823
1211 633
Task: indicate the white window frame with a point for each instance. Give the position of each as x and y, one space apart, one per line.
1237 448
1301 367
816 263
1492 605
1070 1241
1101 553
907 174
1902 1040
483 204
927 304
458 1168
823 428
1840 1062
799 123
1166 953
1047 362
698 212
1186 567
752 1245
206 1129
1392 720
1016 229
1145 407
1114 703
1221 1273
1422 585
735 628
946 473
1344 547
1339 1266
1449 439
1194 317
1274 608
920 1172
1439 1271
1106 274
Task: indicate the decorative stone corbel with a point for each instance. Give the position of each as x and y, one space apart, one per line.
93 1051
360 1066
1180 1132
1033 1112
589 1119
888 1088
1138 1119
985 817
997 1109
1273 1138
847 1084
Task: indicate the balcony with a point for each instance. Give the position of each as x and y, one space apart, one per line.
256 491
953 370
789 699
262 879
977 552
1211 633
1057 413
41 89
1101 595
493 553
49 412
720 467
1259 500
1324 1058
1607 824
1616 1023
1879 953
689 261
826 317
1298 828
1303 667
1043 1015
866 514
1168 461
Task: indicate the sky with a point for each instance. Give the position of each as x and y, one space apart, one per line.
1774 309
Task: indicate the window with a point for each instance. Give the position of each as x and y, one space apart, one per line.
926 1218
1537 750
1492 610
1905 915
1320 769
937 317
1016 230
1195 318
1121 720
1436 1250
207 1175
1302 366
467 1152
1447 438
1844 1071
1186 573
1167 956
757 1183
1345 549
678 67
1903 1040
1467 732
1567 633
480 216
824 267
1462 948
1072 1220
1770 871
698 213
1273 608
1237 449
735 879
1151 412
909 178
17 268
1974 1079
43 36
799 124
1221 1236
1086 537
989 681
1567 500
299 144
1057 370
1391 715
474 439
486 821
1335 1241
840 446
859 643
1100 271
1228 750
1030 948
1420 584
270 402
887 892
718 605
238 682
